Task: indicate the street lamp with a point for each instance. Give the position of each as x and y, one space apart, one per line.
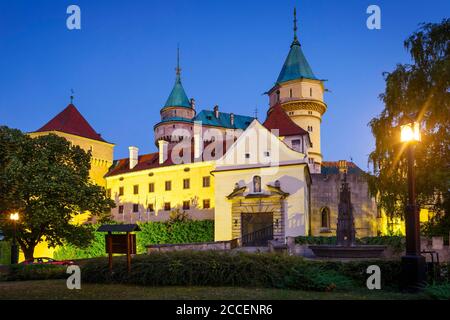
14 217
413 263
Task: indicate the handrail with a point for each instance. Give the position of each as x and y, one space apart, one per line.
257 238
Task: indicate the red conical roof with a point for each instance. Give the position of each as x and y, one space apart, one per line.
278 119
71 121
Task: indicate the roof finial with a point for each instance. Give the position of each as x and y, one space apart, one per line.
71 96
295 23
178 69
256 112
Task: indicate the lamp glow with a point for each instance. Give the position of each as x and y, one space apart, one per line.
410 132
14 216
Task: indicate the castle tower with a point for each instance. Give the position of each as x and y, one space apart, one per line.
300 94
176 114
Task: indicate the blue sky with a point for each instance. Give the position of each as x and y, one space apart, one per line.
121 63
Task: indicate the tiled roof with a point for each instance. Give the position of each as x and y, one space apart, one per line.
208 118
278 119
71 121
178 97
332 167
295 66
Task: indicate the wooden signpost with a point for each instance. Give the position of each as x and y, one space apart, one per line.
120 243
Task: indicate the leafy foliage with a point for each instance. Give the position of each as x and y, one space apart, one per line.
212 268
46 180
420 88
5 252
20 272
151 233
438 291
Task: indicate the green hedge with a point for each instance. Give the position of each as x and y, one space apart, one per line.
5 252
152 233
195 268
395 242
21 272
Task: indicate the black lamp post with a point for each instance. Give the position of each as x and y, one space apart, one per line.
14 217
413 263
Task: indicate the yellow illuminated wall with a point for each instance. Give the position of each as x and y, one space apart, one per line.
176 174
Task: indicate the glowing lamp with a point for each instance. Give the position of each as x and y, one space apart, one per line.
14 216
410 132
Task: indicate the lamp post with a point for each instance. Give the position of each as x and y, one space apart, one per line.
413 263
14 217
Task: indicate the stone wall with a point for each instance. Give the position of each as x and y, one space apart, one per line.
325 193
202 246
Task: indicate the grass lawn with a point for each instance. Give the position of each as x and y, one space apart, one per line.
56 289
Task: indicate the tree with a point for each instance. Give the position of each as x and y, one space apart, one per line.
420 88
46 180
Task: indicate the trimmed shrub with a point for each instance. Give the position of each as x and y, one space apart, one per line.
5 252
439 292
195 268
21 272
397 243
152 233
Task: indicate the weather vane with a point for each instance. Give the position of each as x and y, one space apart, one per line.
71 96
256 112
178 69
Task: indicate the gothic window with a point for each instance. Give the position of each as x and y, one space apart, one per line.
325 218
256 184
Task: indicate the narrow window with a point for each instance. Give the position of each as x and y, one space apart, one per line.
256 184
186 183
206 182
267 154
247 155
167 206
135 208
150 207
120 191
151 187
310 92
290 93
206 204
186 205
136 189
168 185
121 209
325 218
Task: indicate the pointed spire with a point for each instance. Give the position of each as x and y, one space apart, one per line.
178 69
295 42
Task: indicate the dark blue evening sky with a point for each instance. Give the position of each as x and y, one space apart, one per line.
121 63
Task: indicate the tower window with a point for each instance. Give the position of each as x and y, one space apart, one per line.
290 93
310 92
310 112
310 128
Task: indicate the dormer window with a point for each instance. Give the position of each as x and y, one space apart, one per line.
256 184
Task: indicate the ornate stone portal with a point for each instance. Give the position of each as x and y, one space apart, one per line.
261 209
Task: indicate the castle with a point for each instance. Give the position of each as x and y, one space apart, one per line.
258 181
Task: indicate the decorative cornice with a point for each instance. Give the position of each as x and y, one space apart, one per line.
306 104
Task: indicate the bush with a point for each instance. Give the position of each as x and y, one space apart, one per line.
151 233
184 268
395 242
440 292
5 252
22 272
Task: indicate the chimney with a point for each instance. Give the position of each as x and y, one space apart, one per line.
198 141
163 150
134 151
216 111
232 118
193 103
